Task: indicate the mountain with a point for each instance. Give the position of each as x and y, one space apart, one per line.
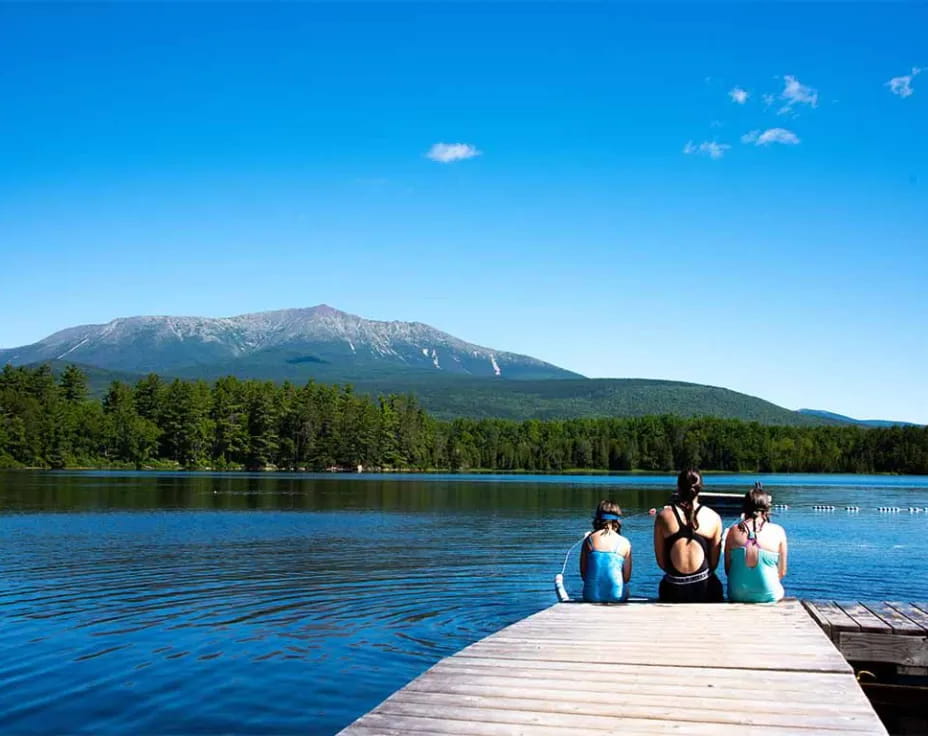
296 344
833 418
451 377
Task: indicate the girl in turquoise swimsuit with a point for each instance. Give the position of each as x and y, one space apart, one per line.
755 553
606 558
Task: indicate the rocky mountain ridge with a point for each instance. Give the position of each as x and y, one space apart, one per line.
321 339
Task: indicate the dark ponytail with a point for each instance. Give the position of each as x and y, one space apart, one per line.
756 506
689 484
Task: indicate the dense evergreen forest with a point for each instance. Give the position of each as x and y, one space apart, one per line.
50 422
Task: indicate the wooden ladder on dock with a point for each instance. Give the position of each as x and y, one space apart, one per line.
637 668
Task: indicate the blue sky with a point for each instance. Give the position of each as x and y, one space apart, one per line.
628 211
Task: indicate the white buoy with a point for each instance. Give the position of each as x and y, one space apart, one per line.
560 589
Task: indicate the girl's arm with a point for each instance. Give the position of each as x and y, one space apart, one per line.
715 550
781 565
583 550
659 551
728 552
627 567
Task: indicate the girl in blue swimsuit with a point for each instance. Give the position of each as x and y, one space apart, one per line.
606 558
755 553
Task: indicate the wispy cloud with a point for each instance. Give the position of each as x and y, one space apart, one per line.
739 95
902 86
446 153
795 93
706 148
771 135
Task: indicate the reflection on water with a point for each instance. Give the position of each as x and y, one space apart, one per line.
208 603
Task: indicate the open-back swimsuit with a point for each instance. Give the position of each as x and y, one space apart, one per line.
700 586
758 584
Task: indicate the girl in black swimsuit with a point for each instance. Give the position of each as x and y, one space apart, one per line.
700 585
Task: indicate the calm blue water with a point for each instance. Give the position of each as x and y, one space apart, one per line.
235 603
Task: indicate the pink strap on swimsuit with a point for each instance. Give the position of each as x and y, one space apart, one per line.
752 535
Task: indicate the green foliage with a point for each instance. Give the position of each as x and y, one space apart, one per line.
234 424
451 397
489 398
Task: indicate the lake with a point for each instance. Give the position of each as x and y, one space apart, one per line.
292 603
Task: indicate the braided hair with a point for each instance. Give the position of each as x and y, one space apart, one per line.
689 484
756 506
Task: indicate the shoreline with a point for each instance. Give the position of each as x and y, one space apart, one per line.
578 472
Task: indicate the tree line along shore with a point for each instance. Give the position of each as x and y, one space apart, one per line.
49 421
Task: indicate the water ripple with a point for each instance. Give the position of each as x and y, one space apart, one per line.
147 620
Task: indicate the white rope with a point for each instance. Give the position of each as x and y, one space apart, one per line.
567 556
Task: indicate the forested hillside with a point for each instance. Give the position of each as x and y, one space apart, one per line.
49 421
454 397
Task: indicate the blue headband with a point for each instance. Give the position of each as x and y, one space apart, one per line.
608 517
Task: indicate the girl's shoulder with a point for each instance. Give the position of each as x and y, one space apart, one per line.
625 545
710 513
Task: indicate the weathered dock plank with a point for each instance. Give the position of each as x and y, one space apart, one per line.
879 632
897 621
911 612
637 668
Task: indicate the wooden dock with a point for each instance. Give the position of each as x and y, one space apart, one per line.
893 632
637 668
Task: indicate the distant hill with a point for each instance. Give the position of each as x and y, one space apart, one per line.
296 344
587 397
833 418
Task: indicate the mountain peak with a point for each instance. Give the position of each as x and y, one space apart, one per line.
319 341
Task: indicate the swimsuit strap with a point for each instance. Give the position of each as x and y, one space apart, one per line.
685 529
752 534
589 542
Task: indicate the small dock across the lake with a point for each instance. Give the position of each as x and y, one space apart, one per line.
638 668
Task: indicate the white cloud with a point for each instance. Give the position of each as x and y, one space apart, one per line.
446 153
769 100
706 148
771 135
902 86
739 95
795 93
